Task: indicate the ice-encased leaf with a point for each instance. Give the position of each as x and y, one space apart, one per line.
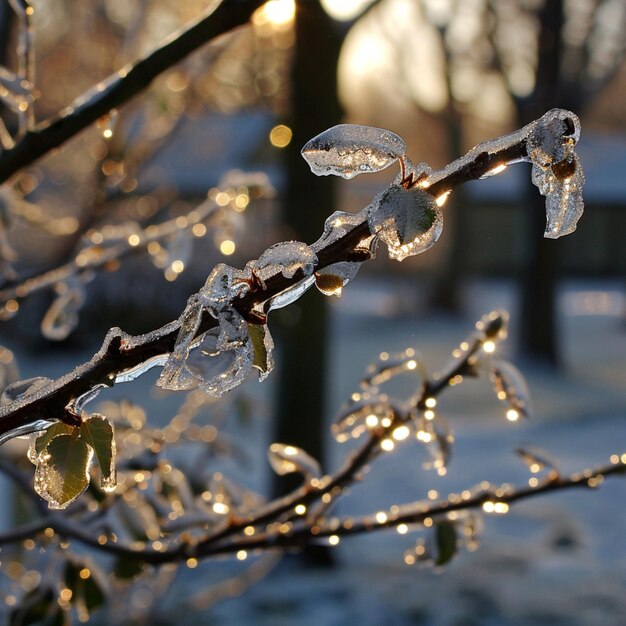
510 387
340 223
390 366
561 184
286 459
284 258
16 93
39 443
23 387
332 279
290 295
348 150
446 540
551 138
62 473
437 438
62 317
223 358
97 431
360 416
221 287
536 459
407 220
263 346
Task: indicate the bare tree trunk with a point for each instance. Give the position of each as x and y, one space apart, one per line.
309 199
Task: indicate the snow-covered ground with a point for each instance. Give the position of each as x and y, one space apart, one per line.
556 559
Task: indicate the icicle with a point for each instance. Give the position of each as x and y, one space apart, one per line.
348 150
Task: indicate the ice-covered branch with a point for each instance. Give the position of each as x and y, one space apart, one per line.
123 85
227 319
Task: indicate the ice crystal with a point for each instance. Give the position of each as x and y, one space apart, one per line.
407 220
348 150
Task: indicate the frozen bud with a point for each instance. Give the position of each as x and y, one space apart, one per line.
407 220
348 150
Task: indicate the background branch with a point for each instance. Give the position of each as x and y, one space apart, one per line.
123 85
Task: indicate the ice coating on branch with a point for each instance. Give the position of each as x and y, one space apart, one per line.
284 258
348 150
561 184
407 220
332 279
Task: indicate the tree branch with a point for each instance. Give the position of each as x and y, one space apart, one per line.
122 352
124 85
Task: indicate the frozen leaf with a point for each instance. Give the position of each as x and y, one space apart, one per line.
286 459
39 444
407 220
446 540
140 520
284 258
97 431
174 375
537 460
510 387
263 346
38 606
332 279
471 526
22 388
551 138
62 316
562 185
347 150
390 366
16 93
221 287
87 584
62 473
361 416
438 440
219 361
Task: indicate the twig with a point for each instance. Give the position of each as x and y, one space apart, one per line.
121 351
123 85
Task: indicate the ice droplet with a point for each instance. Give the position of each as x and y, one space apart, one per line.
407 220
284 258
561 184
286 459
332 279
348 150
